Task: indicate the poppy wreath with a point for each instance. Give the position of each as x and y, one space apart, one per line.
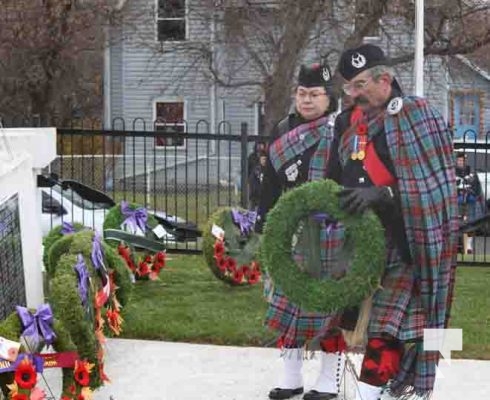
129 216
24 378
87 296
363 233
145 267
232 258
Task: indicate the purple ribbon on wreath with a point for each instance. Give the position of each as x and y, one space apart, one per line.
83 279
38 325
97 255
135 219
324 218
244 219
67 228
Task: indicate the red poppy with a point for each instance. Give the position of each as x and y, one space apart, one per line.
143 269
231 264
80 397
255 265
158 265
160 257
254 277
25 374
237 276
81 374
219 248
222 264
19 396
245 270
66 398
148 259
362 129
124 251
72 389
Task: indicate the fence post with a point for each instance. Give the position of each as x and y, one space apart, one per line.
244 165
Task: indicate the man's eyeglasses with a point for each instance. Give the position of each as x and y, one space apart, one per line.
313 95
349 88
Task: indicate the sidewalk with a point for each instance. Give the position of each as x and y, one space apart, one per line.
146 370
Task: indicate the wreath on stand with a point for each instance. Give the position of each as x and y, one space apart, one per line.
129 227
29 332
230 246
363 236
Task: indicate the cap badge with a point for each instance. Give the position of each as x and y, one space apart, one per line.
395 105
326 74
358 60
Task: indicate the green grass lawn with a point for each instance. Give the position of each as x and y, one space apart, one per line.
189 304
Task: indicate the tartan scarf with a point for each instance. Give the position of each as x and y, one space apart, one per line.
298 140
421 149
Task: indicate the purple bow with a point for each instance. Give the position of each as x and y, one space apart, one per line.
67 228
135 219
97 255
245 220
39 325
83 279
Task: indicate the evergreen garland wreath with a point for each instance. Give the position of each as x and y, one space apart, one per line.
53 235
365 233
237 262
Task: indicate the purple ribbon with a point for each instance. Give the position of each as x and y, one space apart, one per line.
97 255
39 325
245 220
7 366
83 279
135 219
67 228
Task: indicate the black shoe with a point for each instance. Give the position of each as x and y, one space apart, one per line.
315 395
278 393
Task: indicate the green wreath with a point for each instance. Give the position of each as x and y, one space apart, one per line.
54 235
240 250
10 328
364 234
115 218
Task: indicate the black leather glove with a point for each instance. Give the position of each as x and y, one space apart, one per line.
357 200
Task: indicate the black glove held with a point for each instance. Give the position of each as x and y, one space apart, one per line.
357 200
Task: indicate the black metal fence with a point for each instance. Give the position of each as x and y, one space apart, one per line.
187 171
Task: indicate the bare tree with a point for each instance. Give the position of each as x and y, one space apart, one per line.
259 44
50 57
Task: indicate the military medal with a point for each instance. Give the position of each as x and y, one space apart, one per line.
360 143
360 155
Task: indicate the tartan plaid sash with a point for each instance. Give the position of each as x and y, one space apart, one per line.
298 140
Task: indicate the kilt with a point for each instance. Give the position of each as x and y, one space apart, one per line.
296 326
397 308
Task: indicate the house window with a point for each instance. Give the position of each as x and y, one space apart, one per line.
169 119
466 114
171 23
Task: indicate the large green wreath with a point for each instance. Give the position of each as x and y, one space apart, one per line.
364 233
243 249
54 235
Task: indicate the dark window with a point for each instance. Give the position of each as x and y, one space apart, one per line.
171 20
169 119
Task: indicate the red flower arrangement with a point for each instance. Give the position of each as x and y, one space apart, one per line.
145 268
245 274
25 379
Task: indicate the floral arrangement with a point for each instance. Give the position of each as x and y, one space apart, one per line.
230 246
146 267
25 380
